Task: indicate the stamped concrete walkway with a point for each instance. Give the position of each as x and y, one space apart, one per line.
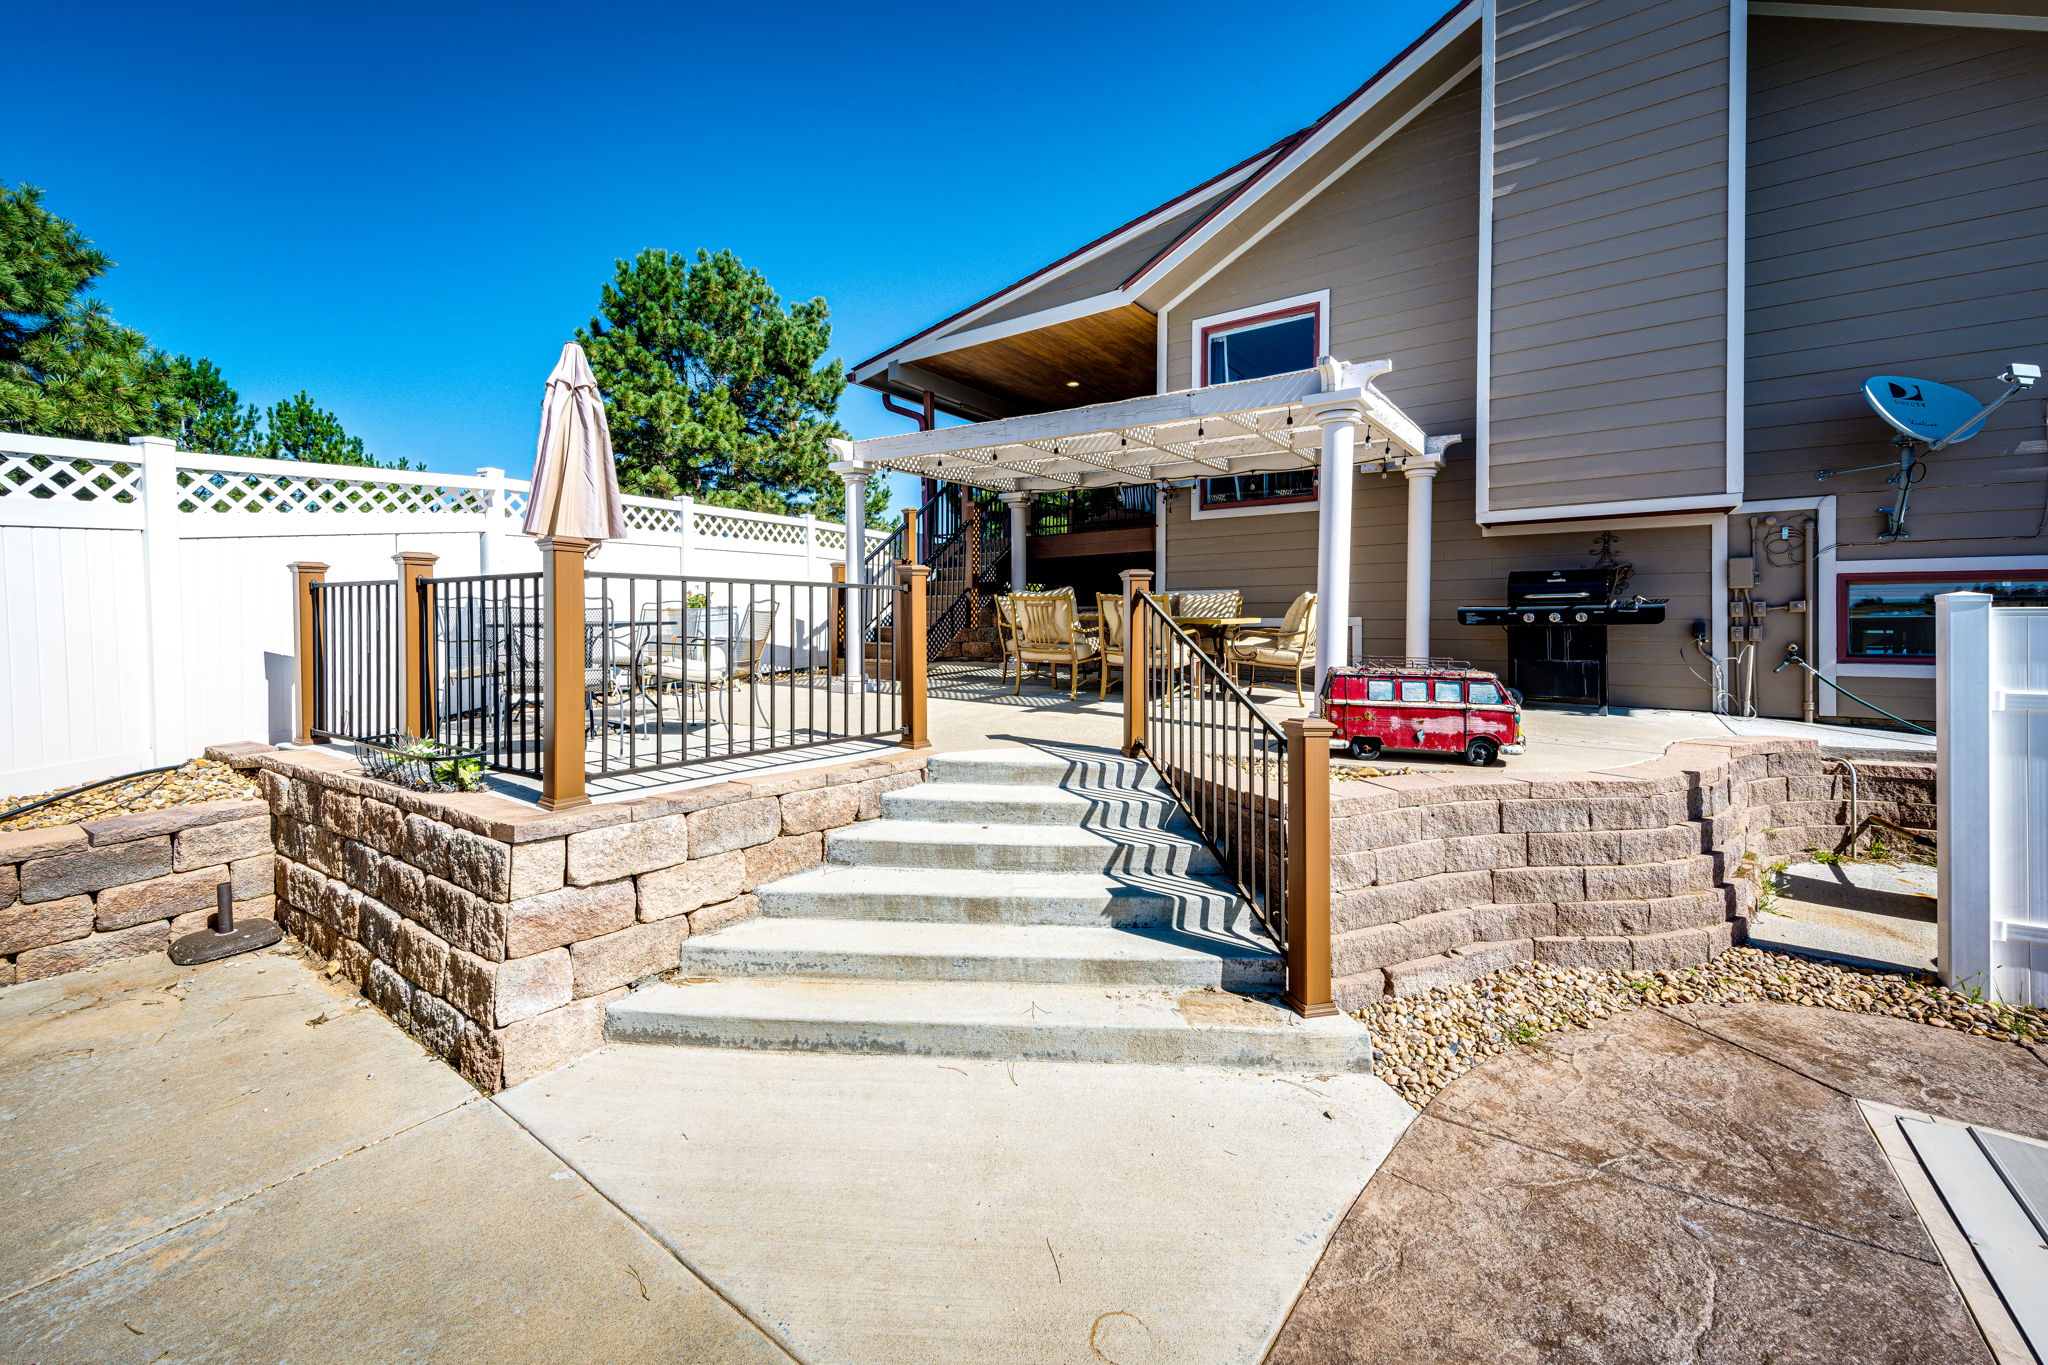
1692 1184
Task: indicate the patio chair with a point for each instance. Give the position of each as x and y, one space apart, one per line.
1049 632
1292 646
1210 602
1006 635
1110 606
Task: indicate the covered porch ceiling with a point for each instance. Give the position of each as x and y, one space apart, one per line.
1252 426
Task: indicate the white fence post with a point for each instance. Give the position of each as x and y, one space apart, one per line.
496 510
163 582
686 535
1962 724
810 548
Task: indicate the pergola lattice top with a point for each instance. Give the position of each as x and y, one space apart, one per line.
1251 426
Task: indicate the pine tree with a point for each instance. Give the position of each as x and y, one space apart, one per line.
200 411
299 429
714 388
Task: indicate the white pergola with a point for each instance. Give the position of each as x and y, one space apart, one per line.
1329 418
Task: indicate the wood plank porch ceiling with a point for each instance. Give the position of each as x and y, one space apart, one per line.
1252 426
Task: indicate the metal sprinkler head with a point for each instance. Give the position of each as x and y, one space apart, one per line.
226 938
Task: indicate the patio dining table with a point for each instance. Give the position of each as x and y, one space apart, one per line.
1212 628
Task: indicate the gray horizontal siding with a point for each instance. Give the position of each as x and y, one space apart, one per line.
1608 335
1898 187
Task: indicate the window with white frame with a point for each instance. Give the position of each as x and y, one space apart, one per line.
1277 340
1888 618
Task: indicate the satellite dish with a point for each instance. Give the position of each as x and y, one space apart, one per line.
1923 410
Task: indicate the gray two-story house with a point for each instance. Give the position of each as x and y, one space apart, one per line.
1603 281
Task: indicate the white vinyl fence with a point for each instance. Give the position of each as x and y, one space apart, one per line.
1991 707
146 606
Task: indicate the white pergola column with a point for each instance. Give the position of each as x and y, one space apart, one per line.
1340 414
1421 521
854 476
1019 505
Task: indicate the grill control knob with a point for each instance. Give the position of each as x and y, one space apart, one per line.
1555 617
1528 618
1578 616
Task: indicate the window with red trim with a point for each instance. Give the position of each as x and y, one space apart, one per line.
1889 618
1264 344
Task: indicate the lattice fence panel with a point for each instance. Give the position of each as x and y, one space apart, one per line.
726 526
212 490
44 476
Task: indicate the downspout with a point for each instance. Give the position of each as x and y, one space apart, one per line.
925 419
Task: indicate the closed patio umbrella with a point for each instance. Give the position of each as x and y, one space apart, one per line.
575 486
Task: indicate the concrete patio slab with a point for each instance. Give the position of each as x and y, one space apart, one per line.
916 1209
243 1161
1687 1184
1864 912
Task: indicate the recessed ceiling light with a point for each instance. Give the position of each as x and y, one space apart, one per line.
1073 383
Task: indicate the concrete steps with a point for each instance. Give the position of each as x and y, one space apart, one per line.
1016 904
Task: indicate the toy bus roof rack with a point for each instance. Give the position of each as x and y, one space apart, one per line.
1415 663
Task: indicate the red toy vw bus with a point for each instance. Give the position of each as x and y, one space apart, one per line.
1434 705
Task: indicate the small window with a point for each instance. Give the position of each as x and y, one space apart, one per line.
1379 689
1254 348
1414 691
1450 692
1257 490
1485 694
1891 620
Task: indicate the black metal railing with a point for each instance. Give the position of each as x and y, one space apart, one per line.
482 672
356 671
680 671
1221 757
1092 509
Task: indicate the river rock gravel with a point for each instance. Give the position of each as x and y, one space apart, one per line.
1427 1041
188 785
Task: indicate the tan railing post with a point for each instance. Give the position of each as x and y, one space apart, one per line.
1308 865
909 643
562 757
836 663
304 575
1137 585
413 565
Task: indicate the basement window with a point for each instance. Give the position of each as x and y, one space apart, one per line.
1889 618
1275 341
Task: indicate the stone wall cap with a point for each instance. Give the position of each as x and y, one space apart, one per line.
241 753
141 824
19 844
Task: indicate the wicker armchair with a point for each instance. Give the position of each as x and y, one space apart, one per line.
1292 646
1110 607
1049 632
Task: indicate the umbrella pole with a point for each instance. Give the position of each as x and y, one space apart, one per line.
562 760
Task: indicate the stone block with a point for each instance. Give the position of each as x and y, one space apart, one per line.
1485 852
383 827
253 878
529 986
699 882
740 824
1453 968
341 812
222 843
537 868
118 907
92 951
1657 845
142 824
808 812
1349 871
544 1042
472 985
1544 817
713 916
275 788
1386 944
435 1023
421 958
569 915
355 960
10 884
1459 819
377 928
1629 882
462 918
606 855
300 800
619 959
872 791
323 851
471 861
302 885
1370 832
1575 848
387 990
22 844
1598 954
1677 948
401 886
1362 991
362 867
1604 919
1520 885
294 838
323 941
783 857
95 869
1635 812
1766 791
1507 923
25 926
479 1058
1409 862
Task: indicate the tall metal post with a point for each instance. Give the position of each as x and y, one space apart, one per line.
1308 865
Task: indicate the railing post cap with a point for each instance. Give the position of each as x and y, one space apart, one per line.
1309 727
416 557
304 566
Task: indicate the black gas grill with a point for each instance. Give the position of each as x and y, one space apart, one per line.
1557 620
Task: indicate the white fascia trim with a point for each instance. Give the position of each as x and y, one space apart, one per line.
1607 524
2027 22
1604 511
1279 171
1319 297
1332 178
1737 245
1482 359
996 331
1885 670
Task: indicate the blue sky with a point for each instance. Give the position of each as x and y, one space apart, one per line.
406 209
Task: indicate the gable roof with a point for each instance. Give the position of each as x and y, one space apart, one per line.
1183 224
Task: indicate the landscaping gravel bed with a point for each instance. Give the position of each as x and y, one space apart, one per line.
200 780
1427 1041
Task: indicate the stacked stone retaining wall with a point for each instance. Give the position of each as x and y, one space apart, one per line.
1440 878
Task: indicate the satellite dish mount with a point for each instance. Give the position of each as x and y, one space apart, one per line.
1927 417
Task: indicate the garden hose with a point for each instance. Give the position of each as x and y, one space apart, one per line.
7 815
1792 657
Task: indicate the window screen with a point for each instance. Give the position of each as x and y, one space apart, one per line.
1379 689
1485 694
1450 692
1414 691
